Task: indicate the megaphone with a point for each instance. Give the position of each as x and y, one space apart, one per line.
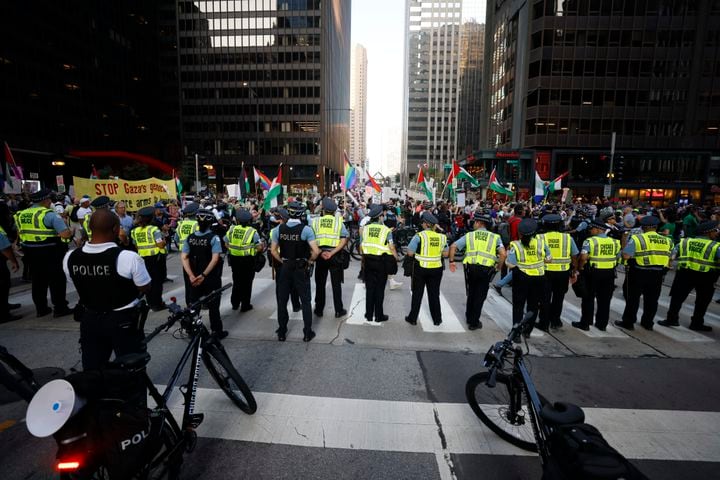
51 407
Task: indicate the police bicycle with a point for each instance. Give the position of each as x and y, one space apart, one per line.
114 436
16 376
505 399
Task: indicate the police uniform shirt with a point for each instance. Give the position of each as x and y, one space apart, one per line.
130 265
630 250
215 244
51 220
157 236
4 243
343 229
677 246
512 256
461 242
389 237
307 235
586 246
255 239
573 246
415 243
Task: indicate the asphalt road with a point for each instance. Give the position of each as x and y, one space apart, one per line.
353 402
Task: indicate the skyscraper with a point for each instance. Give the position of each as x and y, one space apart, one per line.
266 82
443 55
358 107
565 75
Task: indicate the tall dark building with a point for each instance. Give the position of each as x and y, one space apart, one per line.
267 82
83 76
565 74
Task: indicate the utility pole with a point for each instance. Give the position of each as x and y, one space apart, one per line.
611 173
197 175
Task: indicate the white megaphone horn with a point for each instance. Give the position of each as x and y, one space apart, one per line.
51 407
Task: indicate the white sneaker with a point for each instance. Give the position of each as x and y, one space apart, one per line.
394 285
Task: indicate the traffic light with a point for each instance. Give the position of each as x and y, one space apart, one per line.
619 168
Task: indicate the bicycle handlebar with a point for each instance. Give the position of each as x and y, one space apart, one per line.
176 313
496 356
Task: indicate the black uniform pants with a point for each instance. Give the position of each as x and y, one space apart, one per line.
477 283
211 282
527 290
322 267
290 277
645 283
102 334
685 281
556 286
375 281
47 272
243 274
4 289
162 266
599 285
155 270
429 278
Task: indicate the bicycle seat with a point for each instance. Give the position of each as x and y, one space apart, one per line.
132 361
561 413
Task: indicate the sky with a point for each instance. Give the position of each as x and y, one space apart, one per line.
378 25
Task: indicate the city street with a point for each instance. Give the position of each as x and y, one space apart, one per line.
386 401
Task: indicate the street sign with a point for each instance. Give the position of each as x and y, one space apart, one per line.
59 180
607 190
513 162
34 175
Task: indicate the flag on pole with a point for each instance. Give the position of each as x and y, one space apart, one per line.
462 175
350 173
243 184
372 183
540 189
423 185
178 183
496 186
11 169
271 199
556 185
265 182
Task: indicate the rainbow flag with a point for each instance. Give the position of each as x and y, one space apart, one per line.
350 173
372 183
265 182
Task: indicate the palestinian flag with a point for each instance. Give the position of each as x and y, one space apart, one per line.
178 185
556 185
496 186
422 184
275 191
243 184
462 175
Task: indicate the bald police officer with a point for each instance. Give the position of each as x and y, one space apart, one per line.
243 243
698 269
109 281
331 236
651 252
41 232
484 255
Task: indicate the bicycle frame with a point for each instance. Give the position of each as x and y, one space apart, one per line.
534 404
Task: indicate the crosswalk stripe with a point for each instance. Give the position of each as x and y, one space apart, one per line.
571 313
679 334
687 309
450 321
500 311
356 310
403 426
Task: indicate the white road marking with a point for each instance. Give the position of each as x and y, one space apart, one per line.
450 321
400 426
687 310
679 334
571 313
499 310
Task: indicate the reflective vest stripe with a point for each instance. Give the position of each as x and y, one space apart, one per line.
531 266
148 247
646 257
703 261
428 258
560 256
375 245
480 252
324 236
599 261
34 230
246 246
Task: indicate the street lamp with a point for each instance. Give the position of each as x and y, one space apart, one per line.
257 119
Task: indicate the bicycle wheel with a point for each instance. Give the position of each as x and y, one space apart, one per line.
228 379
503 409
168 460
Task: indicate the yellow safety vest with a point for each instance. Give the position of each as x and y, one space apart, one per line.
432 245
603 253
652 249
144 238
31 226
240 241
481 248
86 226
185 228
374 239
698 254
559 245
327 230
531 259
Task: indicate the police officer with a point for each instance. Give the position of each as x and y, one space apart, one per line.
243 243
598 257
428 247
299 250
203 265
7 256
376 245
564 254
187 225
109 281
41 231
651 252
484 255
331 236
527 258
101 202
148 239
698 268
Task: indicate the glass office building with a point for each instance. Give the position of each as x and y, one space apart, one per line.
266 82
566 74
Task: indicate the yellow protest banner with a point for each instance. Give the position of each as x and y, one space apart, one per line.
135 194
